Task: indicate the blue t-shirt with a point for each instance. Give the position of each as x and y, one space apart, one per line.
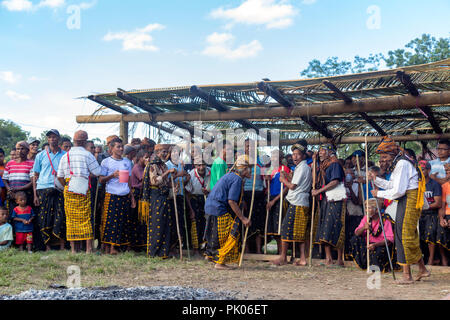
113 186
334 172
44 168
228 187
27 214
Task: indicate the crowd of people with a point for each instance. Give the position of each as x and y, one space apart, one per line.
142 196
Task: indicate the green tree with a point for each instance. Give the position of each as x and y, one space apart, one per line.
10 134
425 49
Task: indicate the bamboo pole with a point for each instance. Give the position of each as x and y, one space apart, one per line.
251 205
329 108
367 204
176 217
312 213
267 218
361 191
280 216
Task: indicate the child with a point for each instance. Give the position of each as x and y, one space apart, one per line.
377 246
23 217
6 235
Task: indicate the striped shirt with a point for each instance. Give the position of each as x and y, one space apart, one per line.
18 174
82 163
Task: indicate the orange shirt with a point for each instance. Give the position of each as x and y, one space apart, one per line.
446 197
2 169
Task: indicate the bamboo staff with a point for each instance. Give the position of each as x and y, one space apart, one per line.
176 217
312 213
280 217
251 205
95 210
267 218
367 202
361 190
185 220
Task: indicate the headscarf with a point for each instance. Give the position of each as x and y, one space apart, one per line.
325 163
242 162
388 145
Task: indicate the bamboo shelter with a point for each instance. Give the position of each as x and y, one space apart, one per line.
410 103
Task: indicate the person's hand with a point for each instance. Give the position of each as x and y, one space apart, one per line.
270 204
133 202
246 222
314 156
374 192
315 192
192 216
283 175
348 184
116 174
172 171
366 226
443 223
36 201
372 247
205 192
361 180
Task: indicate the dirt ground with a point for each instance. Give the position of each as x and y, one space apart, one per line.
254 280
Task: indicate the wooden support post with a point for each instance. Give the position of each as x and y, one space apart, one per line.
123 134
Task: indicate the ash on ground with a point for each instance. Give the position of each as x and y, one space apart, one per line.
117 293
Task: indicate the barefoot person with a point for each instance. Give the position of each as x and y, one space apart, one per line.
331 224
224 217
295 224
407 185
73 173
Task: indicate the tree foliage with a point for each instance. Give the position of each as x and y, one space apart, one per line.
425 49
10 134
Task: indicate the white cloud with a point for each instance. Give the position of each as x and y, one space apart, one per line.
309 1
34 78
17 5
87 5
16 96
52 3
220 45
9 77
140 39
271 13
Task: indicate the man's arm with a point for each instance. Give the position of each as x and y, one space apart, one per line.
234 206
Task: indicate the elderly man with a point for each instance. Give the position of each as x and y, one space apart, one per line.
224 217
407 185
17 175
331 224
34 147
52 221
73 173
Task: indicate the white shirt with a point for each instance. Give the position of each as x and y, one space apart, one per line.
303 179
194 186
403 178
82 163
437 166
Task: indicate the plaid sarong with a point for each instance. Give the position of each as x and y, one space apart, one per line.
78 215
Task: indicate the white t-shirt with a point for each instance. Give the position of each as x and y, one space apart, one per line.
109 166
303 179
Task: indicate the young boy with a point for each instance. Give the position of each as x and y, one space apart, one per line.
377 246
6 235
115 229
23 217
443 238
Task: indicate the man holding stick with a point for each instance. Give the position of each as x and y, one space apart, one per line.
407 185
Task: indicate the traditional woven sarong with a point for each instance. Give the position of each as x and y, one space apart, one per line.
115 228
51 218
223 238
78 215
274 215
351 223
138 228
443 235
181 209
407 240
198 224
159 223
377 257
295 224
428 226
331 224
258 214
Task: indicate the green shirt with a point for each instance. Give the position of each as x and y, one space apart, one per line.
218 170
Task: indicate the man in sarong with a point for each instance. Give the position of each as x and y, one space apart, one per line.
224 216
407 185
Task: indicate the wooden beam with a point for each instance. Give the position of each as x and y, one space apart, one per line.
370 139
330 108
278 97
123 133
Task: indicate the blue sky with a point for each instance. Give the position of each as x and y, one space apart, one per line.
139 44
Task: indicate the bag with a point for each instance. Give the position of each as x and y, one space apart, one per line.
57 184
426 205
77 184
337 194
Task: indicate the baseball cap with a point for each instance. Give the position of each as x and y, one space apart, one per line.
54 131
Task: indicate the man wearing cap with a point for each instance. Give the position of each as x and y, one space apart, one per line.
17 176
50 199
34 147
224 216
331 224
295 223
407 185
73 172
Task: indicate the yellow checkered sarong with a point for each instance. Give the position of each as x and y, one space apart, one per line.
295 224
78 215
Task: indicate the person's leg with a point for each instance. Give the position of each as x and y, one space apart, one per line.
431 249
328 256
72 246
278 240
29 247
113 250
302 261
282 259
61 244
340 259
443 256
423 272
89 246
258 242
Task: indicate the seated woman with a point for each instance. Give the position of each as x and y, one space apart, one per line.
377 248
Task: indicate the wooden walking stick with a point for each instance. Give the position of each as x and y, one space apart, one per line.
176 217
312 213
367 203
267 218
185 220
95 210
251 205
361 190
280 218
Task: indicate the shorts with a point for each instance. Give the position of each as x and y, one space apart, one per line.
22 237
